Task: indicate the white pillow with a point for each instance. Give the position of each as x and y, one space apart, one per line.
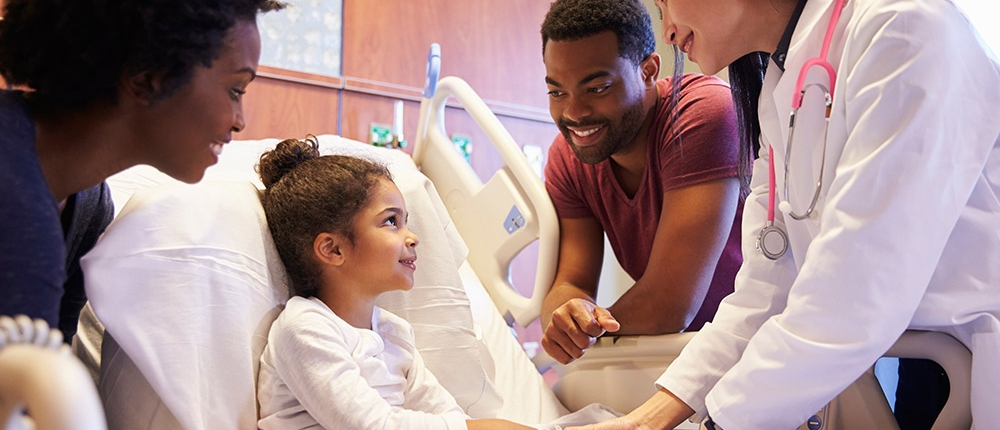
187 281
438 306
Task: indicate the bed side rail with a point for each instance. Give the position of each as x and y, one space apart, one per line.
498 218
619 371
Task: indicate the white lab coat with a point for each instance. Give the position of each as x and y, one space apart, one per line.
906 232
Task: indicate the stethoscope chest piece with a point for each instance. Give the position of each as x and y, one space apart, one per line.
772 242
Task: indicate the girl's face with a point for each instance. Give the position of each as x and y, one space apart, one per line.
708 31
383 254
188 129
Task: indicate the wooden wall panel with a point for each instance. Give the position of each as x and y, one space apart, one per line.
495 46
283 109
359 110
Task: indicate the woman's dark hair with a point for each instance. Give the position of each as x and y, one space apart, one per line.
746 78
308 194
569 20
73 53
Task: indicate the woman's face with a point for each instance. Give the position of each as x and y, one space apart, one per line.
708 31
188 129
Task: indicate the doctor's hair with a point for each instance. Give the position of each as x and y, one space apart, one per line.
746 79
569 20
76 53
308 194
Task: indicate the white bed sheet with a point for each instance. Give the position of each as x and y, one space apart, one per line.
486 368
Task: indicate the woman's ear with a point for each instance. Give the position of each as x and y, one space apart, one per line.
329 248
143 86
650 68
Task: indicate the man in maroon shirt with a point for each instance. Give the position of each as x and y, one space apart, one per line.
658 178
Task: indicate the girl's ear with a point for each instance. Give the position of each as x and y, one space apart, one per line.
329 248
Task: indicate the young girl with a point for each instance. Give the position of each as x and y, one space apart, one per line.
333 358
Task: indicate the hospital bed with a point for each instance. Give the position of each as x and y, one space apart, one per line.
187 307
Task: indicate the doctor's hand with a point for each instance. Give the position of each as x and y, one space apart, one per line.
663 410
574 327
622 423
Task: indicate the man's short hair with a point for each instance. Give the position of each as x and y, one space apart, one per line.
569 20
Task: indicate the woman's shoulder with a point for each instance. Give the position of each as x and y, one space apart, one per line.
16 126
917 19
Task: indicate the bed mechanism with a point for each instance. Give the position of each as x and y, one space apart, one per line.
513 209
38 373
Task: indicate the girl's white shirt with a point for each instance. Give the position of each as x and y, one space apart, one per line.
906 232
318 371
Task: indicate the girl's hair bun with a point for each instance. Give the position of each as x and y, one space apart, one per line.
288 154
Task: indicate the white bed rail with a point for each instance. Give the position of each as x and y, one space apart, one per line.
38 373
619 372
501 217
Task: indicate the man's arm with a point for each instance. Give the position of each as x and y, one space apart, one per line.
694 226
570 318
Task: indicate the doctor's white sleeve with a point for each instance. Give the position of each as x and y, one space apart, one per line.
761 288
912 107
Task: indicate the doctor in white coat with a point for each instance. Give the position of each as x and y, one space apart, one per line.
899 200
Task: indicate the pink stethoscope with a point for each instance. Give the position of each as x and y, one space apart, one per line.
773 240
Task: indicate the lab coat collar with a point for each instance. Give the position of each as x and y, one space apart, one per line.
779 54
806 42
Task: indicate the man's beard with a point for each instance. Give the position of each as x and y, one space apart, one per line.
617 138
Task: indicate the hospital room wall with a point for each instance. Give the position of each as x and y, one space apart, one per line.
494 46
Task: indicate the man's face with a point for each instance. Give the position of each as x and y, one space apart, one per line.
595 95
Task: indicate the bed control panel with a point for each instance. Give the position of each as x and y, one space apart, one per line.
514 220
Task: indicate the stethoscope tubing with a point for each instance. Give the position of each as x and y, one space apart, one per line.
774 249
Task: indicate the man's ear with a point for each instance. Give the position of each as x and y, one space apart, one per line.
144 86
329 248
650 68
